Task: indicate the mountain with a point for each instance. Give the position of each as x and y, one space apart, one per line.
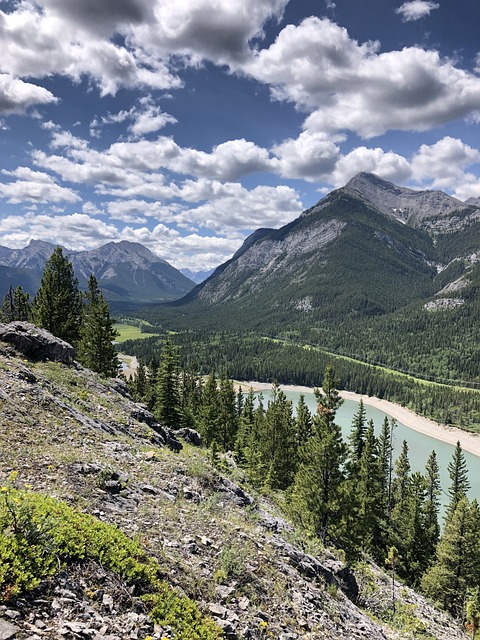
101 513
368 257
197 276
126 271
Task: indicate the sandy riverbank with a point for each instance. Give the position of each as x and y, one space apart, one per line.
469 441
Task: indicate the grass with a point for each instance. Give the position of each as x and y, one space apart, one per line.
131 332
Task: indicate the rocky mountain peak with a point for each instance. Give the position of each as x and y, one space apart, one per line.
406 205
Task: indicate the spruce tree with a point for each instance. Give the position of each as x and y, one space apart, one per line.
458 472
356 439
316 493
16 306
208 422
95 348
457 565
228 418
167 408
278 444
57 305
385 445
303 421
432 504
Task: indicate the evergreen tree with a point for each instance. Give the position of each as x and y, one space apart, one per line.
95 348
303 421
366 488
278 443
57 305
385 446
167 408
16 306
208 421
402 473
457 567
316 493
139 382
356 439
432 504
458 472
228 419
245 427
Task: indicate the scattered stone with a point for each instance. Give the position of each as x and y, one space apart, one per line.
189 435
7 629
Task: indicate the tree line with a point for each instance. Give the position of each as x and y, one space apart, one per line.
349 494
248 356
80 318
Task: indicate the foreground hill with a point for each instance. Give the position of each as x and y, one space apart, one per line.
126 271
374 271
91 448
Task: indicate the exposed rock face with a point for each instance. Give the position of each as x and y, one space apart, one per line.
407 205
36 343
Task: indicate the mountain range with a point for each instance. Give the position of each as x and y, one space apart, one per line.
126 271
373 270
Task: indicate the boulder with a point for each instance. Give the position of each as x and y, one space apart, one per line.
36 343
189 435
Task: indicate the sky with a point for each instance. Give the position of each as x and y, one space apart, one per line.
187 124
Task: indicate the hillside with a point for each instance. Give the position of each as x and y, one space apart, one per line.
377 272
91 447
126 271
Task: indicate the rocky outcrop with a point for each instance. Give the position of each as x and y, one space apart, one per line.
36 343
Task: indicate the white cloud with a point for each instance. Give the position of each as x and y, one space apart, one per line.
443 165
387 165
345 85
416 9
34 186
311 156
16 96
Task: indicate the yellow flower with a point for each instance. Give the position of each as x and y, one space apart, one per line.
27 485
4 489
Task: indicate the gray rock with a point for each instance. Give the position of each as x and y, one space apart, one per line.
36 343
7 629
189 435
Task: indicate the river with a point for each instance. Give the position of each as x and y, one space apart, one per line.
420 445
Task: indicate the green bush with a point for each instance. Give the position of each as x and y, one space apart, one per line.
39 535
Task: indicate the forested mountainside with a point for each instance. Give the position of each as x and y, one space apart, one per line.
113 524
386 275
126 271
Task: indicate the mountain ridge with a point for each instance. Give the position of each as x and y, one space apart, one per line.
126 271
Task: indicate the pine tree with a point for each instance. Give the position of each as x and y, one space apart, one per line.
432 504
245 426
458 472
57 305
16 306
366 488
167 408
228 419
385 445
316 493
303 421
95 348
457 567
356 439
278 444
402 473
139 382
208 422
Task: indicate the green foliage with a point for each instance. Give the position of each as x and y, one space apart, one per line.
38 534
15 306
95 347
57 305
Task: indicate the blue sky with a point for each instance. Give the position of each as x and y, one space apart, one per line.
187 124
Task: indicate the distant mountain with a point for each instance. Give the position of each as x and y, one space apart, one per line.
126 271
368 257
197 276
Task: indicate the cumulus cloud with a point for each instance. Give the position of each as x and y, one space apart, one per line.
16 96
444 162
387 165
345 85
34 186
311 156
416 9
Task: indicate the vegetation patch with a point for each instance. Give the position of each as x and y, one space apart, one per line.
39 535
